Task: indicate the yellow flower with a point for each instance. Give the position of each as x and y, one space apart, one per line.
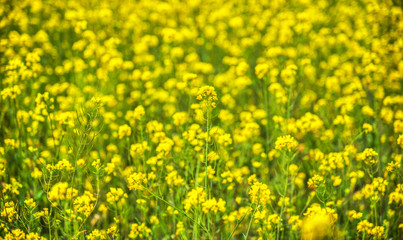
241 68
286 142
9 211
400 141
316 226
368 156
261 69
16 234
34 236
378 232
336 180
96 163
30 202
136 181
213 205
63 164
295 221
173 178
375 189
352 215
97 235
208 96
364 226
116 196
315 181
259 193
367 128
36 173
124 130
154 220
288 74
139 231
60 191
397 195
139 112
112 230
180 118
309 123
189 76
138 149
367 110
84 204
194 197
318 222
179 228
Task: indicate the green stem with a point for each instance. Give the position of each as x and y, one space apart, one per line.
250 222
50 228
179 210
375 213
284 194
236 226
206 165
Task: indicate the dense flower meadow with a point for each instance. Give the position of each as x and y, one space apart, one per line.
151 119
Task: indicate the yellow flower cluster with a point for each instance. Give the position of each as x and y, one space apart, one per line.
315 181
212 205
259 193
286 142
174 179
318 222
261 69
137 181
367 128
352 215
9 211
208 96
180 118
60 191
376 189
137 150
124 131
84 204
18 234
139 231
397 195
116 196
368 156
194 198
400 141
96 235
153 119
63 164
377 232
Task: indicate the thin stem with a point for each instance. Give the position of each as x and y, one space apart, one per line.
285 192
375 213
179 210
206 165
250 222
237 224
95 204
50 228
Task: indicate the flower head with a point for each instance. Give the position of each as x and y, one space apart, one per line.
286 142
208 96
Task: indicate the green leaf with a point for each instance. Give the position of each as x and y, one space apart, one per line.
38 195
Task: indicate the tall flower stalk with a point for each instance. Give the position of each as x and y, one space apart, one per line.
208 97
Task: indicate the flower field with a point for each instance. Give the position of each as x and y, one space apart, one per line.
152 119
